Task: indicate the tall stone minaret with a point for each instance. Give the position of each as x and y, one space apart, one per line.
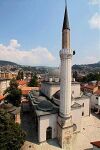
65 124
66 62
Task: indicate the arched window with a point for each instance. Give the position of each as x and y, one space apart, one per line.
49 133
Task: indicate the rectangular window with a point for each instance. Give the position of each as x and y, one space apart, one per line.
82 113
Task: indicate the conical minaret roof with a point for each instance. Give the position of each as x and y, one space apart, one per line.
66 20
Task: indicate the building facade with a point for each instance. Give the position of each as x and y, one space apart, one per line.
4 83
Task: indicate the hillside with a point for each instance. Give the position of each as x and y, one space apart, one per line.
88 67
5 63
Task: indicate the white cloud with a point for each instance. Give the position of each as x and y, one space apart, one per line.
95 21
14 43
37 56
94 2
90 59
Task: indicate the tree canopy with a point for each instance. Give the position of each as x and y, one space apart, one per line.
33 82
91 77
20 75
12 137
13 94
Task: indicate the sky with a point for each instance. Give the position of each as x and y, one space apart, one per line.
31 31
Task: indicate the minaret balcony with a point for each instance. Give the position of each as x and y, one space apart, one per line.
66 54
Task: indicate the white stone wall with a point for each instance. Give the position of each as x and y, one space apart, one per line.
3 85
86 106
94 100
75 90
43 123
76 118
50 89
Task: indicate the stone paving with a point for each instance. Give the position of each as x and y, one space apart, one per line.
90 132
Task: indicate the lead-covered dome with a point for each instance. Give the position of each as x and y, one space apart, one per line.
39 99
54 72
45 106
57 95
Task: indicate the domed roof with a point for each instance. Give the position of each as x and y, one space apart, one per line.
37 100
34 93
45 106
54 72
57 95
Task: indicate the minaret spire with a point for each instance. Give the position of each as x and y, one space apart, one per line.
66 19
66 60
66 30
65 124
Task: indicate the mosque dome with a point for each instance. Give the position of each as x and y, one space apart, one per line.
39 99
57 95
34 93
56 98
45 106
54 72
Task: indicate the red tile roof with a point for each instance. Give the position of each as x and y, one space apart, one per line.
97 144
26 89
91 87
21 82
1 97
97 92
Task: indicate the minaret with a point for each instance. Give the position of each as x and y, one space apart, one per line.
65 124
66 62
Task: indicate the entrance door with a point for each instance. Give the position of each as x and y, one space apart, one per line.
49 133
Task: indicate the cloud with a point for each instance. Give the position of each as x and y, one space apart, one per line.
90 60
95 21
36 56
94 2
14 44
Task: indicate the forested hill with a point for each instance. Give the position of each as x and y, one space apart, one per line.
94 66
5 63
88 67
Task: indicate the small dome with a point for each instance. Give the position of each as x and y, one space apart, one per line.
54 73
57 95
34 93
45 106
37 100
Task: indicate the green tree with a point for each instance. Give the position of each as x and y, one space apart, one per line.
91 77
20 75
13 94
12 137
75 75
33 82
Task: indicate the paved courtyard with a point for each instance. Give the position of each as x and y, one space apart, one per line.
90 132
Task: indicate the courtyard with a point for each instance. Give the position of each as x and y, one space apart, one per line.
90 132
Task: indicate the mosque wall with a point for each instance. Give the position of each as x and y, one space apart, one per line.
76 118
50 89
85 103
75 90
44 123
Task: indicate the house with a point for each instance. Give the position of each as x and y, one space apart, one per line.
21 83
25 90
95 101
4 84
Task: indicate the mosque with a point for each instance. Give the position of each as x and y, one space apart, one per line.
60 105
